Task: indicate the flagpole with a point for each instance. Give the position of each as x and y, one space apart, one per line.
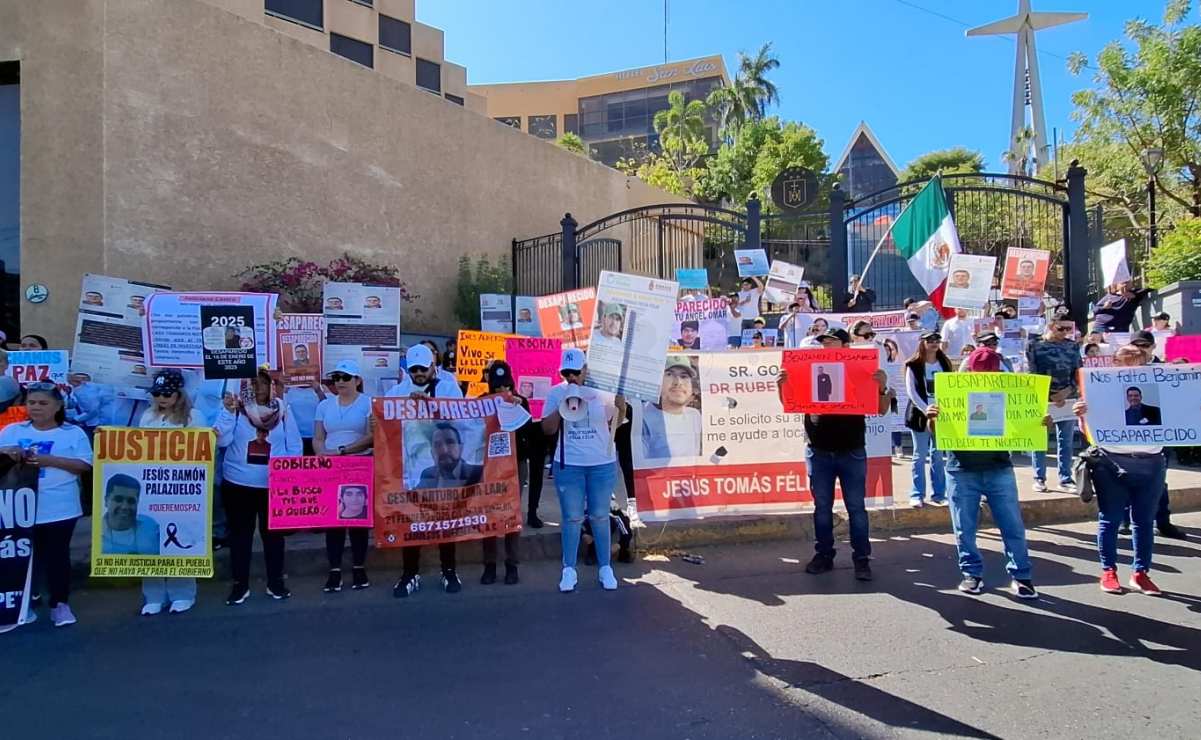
887 233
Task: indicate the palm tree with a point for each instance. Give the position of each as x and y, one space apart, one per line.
758 91
680 122
728 103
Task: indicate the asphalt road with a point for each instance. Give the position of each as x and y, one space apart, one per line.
742 646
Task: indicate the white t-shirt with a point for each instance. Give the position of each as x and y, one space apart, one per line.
957 332
446 387
302 402
587 441
344 425
151 420
246 456
58 490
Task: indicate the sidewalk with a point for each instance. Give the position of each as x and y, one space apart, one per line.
306 550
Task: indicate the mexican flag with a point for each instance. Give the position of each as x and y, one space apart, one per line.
924 234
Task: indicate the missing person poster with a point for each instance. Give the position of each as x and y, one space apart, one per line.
362 325
174 335
635 316
108 331
692 278
832 381
535 365
701 324
751 262
39 366
970 281
718 442
152 498
320 491
18 512
476 350
301 339
1158 405
782 282
228 339
496 314
991 411
568 316
444 472
1025 273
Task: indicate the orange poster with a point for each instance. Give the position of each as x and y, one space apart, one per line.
1025 273
444 472
568 316
301 338
476 350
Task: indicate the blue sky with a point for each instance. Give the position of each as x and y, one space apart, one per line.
912 75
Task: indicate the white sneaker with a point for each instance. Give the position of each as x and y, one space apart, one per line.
1040 487
61 616
150 610
568 581
608 581
181 605
30 617
1069 487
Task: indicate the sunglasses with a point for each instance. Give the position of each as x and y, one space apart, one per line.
1063 328
416 369
161 392
43 387
932 340
866 335
341 377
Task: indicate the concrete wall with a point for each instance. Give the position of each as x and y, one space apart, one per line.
173 141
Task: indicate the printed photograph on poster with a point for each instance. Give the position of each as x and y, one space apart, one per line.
760 338
39 366
228 340
362 325
671 425
751 262
634 320
991 411
701 324
315 492
301 340
1025 274
443 454
175 333
568 316
782 282
108 331
496 314
970 280
828 383
986 417
18 512
1155 405
832 381
535 364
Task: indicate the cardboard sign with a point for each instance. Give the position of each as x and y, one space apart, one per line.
1176 347
38 366
535 365
1149 405
701 324
991 411
969 280
751 262
315 491
635 317
18 512
496 314
692 279
174 332
228 338
1025 273
832 381
476 350
301 344
782 282
568 316
362 324
1114 268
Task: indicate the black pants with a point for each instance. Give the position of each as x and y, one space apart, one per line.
243 506
52 545
625 454
411 557
536 465
512 549
335 545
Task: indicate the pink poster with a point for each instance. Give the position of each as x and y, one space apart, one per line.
535 364
1186 347
313 492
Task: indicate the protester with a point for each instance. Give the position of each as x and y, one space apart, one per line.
987 475
450 358
585 462
342 426
862 334
837 450
439 361
805 299
1115 310
34 342
858 298
1129 476
1162 321
514 413
789 326
989 339
31 443
170 408
913 322
422 381
1145 341
927 316
253 430
927 361
1058 356
734 322
749 295
956 332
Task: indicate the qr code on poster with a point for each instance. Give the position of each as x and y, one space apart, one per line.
498 445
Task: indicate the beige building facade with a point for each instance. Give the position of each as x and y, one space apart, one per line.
179 142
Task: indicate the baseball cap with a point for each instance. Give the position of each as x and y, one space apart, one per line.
419 356
1141 338
1162 316
573 359
349 367
167 382
615 309
930 335
987 336
913 317
839 334
498 375
680 361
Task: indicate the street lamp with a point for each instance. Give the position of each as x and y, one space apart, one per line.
1152 158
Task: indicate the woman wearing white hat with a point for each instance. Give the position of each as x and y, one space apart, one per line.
342 426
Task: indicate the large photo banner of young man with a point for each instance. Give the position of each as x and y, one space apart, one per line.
152 497
444 472
718 442
18 511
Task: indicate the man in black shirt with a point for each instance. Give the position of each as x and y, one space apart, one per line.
837 449
1115 310
859 299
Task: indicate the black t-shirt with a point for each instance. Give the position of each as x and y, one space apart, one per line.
836 432
866 299
1114 311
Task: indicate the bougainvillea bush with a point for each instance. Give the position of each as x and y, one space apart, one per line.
299 282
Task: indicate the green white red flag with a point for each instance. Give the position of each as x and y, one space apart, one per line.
925 235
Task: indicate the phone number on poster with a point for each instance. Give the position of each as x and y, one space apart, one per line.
467 521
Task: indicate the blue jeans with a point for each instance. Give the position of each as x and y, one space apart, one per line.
999 487
580 485
850 468
1064 434
923 447
1140 489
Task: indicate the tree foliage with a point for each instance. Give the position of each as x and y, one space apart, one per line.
758 153
749 95
1178 256
954 161
486 277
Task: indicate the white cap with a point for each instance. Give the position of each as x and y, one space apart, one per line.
350 367
573 359
419 356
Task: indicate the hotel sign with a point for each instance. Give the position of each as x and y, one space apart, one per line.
668 73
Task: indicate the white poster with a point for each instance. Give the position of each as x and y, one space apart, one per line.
173 336
38 366
1147 405
635 316
108 331
701 323
1114 268
969 281
362 324
782 282
496 314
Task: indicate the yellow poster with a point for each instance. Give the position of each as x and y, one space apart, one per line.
152 499
476 350
991 411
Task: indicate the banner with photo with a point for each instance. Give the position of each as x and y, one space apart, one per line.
832 381
535 365
18 512
701 324
813 324
1157 405
782 282
228 342
568 316
969 282
362 324
444 472
108 331
760 338
1025 273
991 411
175 334
301 344
635 316
751 262
496 314
717 442
39 366
152 498
320 491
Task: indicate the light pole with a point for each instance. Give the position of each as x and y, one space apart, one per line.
1152 158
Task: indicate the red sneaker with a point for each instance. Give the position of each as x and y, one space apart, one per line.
1110 583
1140 581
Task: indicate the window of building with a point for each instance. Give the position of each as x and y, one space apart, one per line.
10 198
544 127
453 98
352 49
305 12
429 75
571 123
631 113
368 3
514 121
395 35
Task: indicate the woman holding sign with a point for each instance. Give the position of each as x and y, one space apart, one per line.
62 454
252 429
343 427
927 360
